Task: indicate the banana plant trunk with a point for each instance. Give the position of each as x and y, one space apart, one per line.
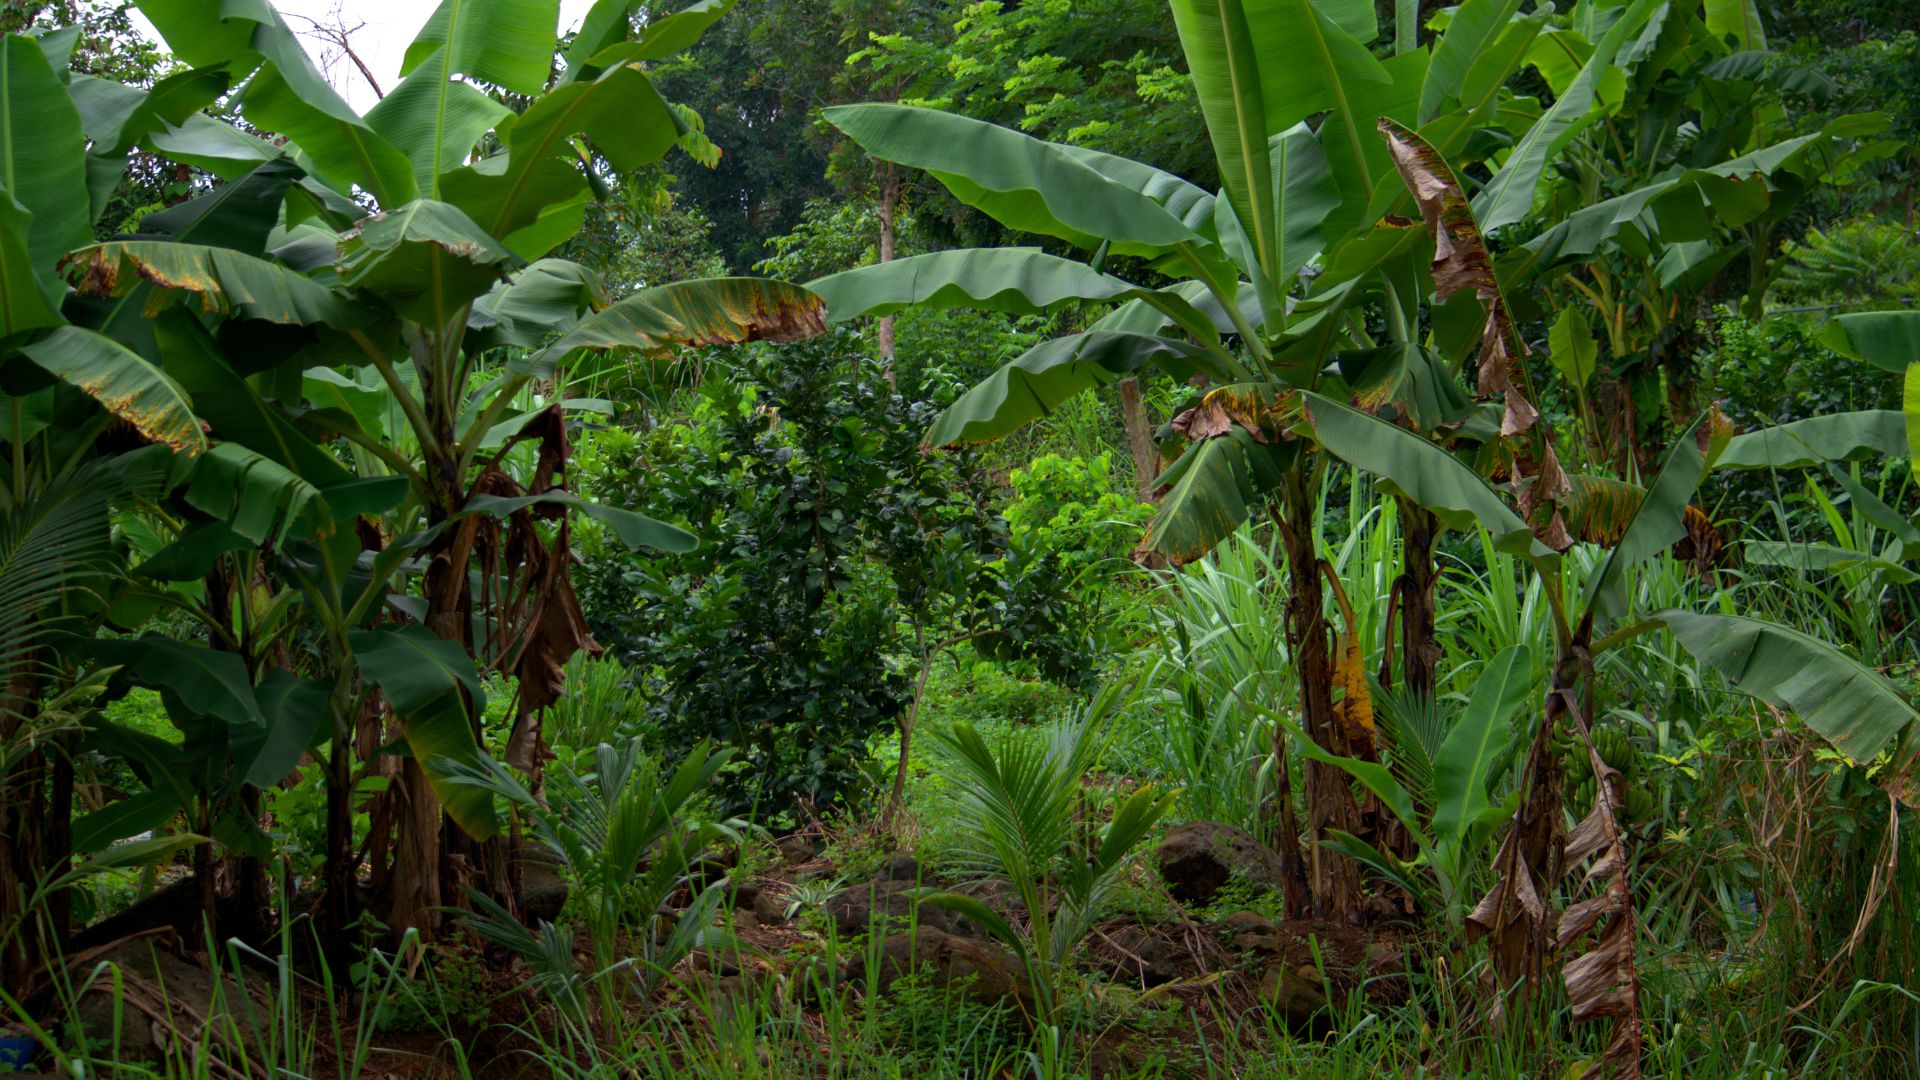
339 909
25 851
1333 880
1419 646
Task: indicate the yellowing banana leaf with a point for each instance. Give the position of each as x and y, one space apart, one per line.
122 382
224 282
1420 470
713 311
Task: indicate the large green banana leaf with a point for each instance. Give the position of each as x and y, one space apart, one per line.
1046 375
1260 68
1361 162
1817 439
223 399
286 93
238 215
1462 764
426 258
1420 470
1024 183
508 43
1222 53
24 301
1886 339
1509 195
42 159
1848 704
1739 19
1821 559
1473 31
431 684
1021 281
535 198
607 21
254 494
435 119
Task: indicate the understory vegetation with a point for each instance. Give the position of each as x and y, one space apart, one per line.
1079 538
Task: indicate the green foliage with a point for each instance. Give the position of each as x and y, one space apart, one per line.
1104 74
602 705
626 833
1028 816
1861 263
818 517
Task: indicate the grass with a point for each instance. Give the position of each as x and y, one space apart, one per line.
1778 885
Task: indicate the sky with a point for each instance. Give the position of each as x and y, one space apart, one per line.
385 29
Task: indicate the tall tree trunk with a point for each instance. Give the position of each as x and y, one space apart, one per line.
1146 456
1333 880
889 203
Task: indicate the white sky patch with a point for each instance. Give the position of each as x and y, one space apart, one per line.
380 32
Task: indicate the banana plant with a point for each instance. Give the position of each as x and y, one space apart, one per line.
1443 796
1291 93
1837 697
377 289
1270 285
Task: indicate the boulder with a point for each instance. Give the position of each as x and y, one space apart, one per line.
164 992
887 905
543 892
795 849
983 972
1134 954
1246 931
1197 860
1293 991
760 902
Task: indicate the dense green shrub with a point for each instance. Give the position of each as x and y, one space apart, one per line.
1774 371
825 535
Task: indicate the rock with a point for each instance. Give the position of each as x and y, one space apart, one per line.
1134 954
1245 931
543 892
769 909
156 981
1293 991
795 849
1199 858
983 972
883 906
763 900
